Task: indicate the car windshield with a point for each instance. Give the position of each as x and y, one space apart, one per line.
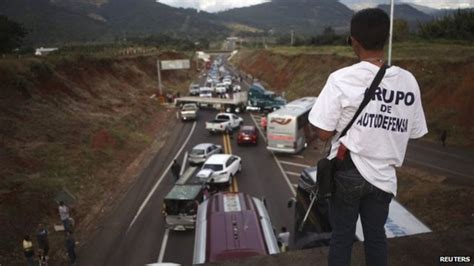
197 152
222 117
247 132
175 207
189 107
213 167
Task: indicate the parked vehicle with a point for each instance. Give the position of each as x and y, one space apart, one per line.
247 134
227 81
232 226
189 111
202 151
288 129
261 99
180 206
221 168
236 104
236 88
205 92
224 122
194 89
316 230
220 88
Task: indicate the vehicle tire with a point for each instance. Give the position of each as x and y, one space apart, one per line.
230 180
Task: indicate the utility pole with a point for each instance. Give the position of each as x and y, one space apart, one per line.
391 34
160 85
292 37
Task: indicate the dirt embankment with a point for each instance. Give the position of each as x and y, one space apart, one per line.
447 98
446 86
73 126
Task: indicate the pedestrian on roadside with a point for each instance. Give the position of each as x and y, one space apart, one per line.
71 247
365 179
284 239
64 215
175 169
29 251
43 244
443 137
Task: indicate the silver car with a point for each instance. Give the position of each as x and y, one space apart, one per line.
202 151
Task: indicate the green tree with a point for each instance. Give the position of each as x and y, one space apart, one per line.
457 26
401 30
11 34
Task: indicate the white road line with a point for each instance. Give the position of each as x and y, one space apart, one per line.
438 168
292 173
295 164
153 96
161 179
163 246
290 185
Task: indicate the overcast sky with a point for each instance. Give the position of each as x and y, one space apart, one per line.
219 5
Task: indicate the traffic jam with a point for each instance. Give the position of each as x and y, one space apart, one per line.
230 223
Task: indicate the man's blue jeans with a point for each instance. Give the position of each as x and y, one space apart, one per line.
353 196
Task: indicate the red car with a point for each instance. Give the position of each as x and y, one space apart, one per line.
247 134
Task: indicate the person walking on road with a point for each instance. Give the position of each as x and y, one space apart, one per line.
176 169
43 244
28 251
64 215
71 247
365 178
284 239
443 137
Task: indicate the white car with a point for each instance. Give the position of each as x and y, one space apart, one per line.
221 88
227 81
236 88
221 168
205 92
202 151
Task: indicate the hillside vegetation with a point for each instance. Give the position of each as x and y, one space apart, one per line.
72 125
443 71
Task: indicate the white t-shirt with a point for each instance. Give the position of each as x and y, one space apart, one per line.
379 136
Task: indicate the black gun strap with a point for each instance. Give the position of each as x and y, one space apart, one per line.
367 97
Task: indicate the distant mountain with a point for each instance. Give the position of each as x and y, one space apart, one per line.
139 17
55 22
408 13
280 16
425 9
50 24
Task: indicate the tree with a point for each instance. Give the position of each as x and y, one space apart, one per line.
457 26
11 34
401 30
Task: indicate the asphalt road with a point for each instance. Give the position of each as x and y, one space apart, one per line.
135 233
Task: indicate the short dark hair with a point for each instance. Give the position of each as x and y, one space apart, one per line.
370 27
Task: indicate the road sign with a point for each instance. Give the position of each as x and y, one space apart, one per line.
175 64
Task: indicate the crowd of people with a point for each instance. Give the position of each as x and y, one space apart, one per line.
41 255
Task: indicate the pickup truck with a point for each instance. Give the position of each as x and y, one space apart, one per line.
189 111
224 122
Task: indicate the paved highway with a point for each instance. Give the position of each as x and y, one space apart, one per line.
135 233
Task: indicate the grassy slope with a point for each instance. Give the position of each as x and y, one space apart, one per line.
442 70
75 124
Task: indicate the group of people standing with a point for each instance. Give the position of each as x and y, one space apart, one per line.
42 237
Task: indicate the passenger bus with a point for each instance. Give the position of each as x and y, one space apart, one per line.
230 226
288 129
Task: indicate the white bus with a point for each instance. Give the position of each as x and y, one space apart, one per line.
288 129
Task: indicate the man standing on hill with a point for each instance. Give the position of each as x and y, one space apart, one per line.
365 178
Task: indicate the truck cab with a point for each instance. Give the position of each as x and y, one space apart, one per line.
261 99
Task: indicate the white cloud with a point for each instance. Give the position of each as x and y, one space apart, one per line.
219 5
212 5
